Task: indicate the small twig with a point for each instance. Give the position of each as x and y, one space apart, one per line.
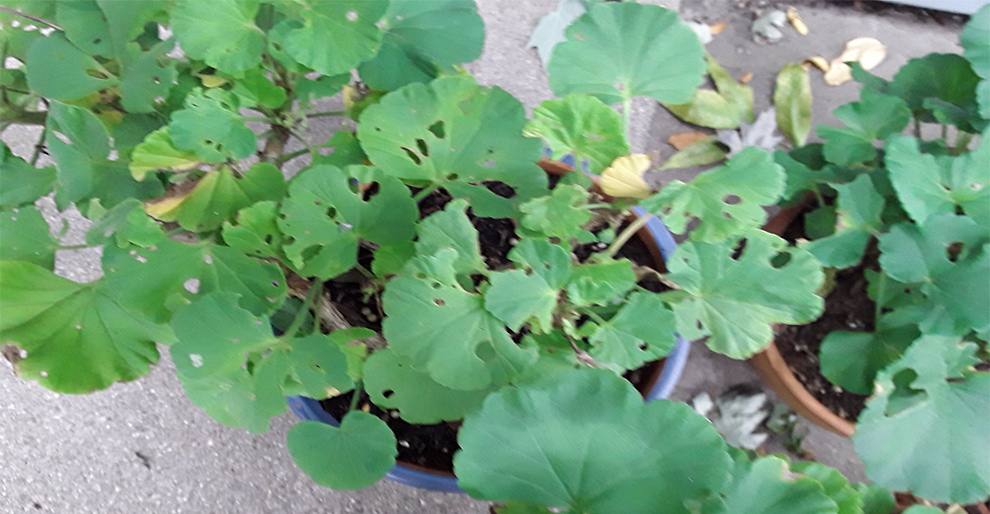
627 234
582 356
15 12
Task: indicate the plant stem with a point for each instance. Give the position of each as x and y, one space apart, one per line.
595 317
325 113
917 128
962 140
303 309
878 310
819 197
945 132
358 387
39 146
15 12
423 193
627 234
288 157
257 118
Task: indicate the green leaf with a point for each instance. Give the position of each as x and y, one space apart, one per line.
947 77
547 260
523 508
26 237
446 332
451 228
128 224
456 134
600 283
132 130
346 151
841 250
78 337
590 444
724 109
736 299
846 497
728 200
762 488
561 214
126 21
902 435
58 70
911 253
256 232
422 37
514 297
873 351
792 97
875 116
22 183
922 509
706 151
974 39
582 126
363 450
642 331
859 209
84 171
392 383
258 90
320 365
876 499
85 26
970 182
150 76
336 36
390 259
618 51
218 195
917 179
220 32
211 127
323 87
157 152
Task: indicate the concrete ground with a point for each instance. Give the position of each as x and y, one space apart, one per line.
143 448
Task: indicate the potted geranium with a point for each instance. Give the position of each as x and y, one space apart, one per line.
902 221
207 246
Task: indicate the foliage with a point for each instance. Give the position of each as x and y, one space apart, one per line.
921 208
208 247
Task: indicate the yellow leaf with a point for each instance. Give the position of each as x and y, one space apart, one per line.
820 62
164 209
624 178
211 81
716 28
867 51
838 73
682 141
746 78
796 20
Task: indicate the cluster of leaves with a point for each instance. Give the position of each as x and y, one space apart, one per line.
923 206
206 245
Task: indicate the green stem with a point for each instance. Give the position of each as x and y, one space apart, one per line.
423 193
917 128
945 132
15 12
627 234
595 317
258 118
818 195
325 114
880 294
358 387
303 310
288 157
40 145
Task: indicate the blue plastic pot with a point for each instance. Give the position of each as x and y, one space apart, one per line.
308 409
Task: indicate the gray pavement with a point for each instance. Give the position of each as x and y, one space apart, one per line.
142 447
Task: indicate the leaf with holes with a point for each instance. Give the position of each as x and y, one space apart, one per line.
455 134
363 450
873 351
421 38
588 443
727 200
26 237
149 76
56 69
220 32
902 435
78 337
392 383
859 210
210 126
157 152
447 332
847 499
735 300
127 224
547 260
256 232
976 49
948 255
255 89
217 196
731 105
326 219
336 36
516 297
22 183
946 78
618 51
451 228
581 126
642 331
560 214
83 169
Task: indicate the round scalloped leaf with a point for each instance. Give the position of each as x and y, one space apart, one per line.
26 237
420 37
210 126
220 32
875 116
22 183
735 300
601 283
927 429
326 219
559 214
547 260
846 497
451 228
515 297
392 383
56 69
256 232
618 51
336 36
873 351
917 179
355 455
582 126
947 78
150 75
589 443
157 152
767 487
976 49
642 331
78 337
456 134
446 332
727 200
218 195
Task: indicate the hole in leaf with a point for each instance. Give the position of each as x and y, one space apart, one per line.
453 176
731 199
317 203
61 137
157 80
387 393
352 16
277 47
439 302
423 149
437 129
699 325
268 239
191 285
490 163
420 275
43 374
953 250
97 74
207 142
738 250
437 285
331 212
274 283
412 155
904 396
208 259
97 41
780 260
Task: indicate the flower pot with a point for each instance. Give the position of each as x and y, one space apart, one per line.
659 385
770 365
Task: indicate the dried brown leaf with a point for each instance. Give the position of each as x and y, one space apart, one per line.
686 139
838 73
718 27
820 62
867 51
796 20
746 78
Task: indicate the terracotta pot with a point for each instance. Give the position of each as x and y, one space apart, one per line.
770 365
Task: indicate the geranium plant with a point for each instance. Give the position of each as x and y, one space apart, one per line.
207 246
919 204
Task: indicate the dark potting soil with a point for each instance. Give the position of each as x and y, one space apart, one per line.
848 308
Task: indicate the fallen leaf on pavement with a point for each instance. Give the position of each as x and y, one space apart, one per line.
838 73
820 62
746 78
796 20
867 51
686 139
718 27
